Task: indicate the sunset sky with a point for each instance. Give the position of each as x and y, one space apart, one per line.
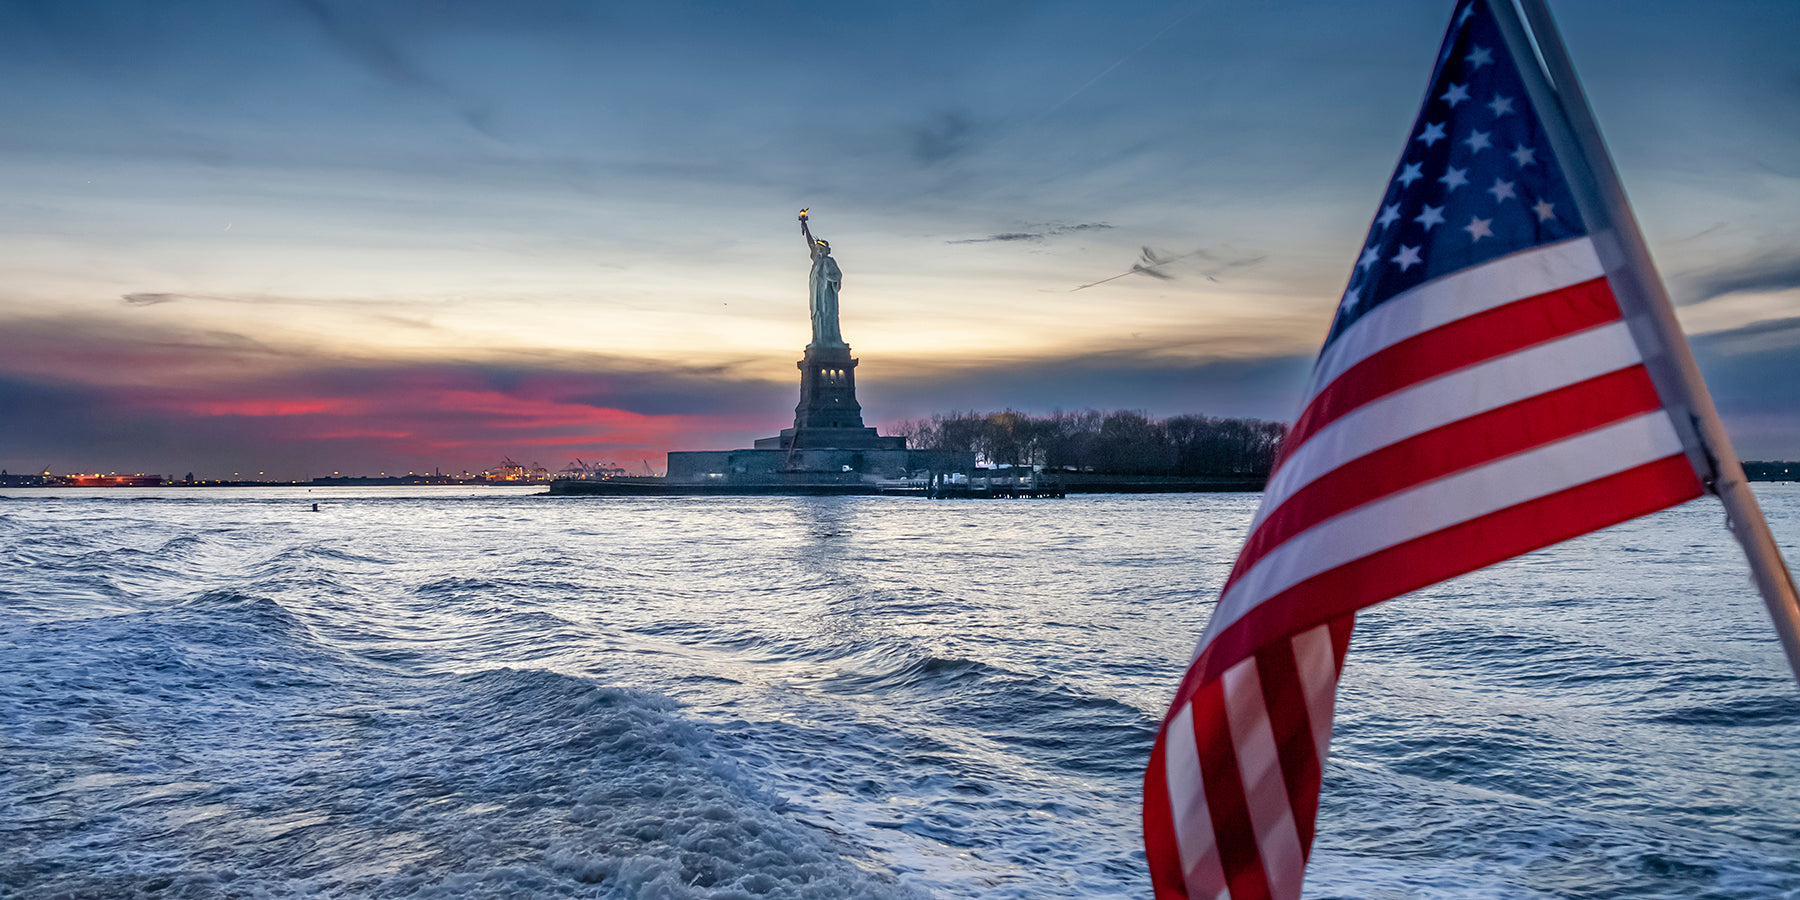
306 236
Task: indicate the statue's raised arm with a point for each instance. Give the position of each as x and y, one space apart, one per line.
812 244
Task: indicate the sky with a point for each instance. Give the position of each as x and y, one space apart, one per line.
294 238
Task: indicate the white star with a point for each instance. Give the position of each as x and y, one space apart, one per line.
1456 94
1465 14
1478 228
1433 215
1454 178
1351 298
1478 57
1371 255
1545 210
1477 141
1388 215
1524 156
1501 190
1500 105
1434 132
1411 173
1408 257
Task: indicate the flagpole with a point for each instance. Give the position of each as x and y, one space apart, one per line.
1645 303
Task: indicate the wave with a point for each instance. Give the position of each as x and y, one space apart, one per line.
1041 717
1776 708
506 782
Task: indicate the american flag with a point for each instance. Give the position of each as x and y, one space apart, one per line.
1479 396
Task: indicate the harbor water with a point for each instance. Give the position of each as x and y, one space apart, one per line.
477 692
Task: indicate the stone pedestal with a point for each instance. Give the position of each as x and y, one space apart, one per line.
828 415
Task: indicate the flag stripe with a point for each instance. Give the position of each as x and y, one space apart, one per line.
1433 304
1464 342
1317 670
1174 772
1464 547
1162 833
1446 399
1402 516
1201 871
1270 812
1284 696
1225 799
1473 441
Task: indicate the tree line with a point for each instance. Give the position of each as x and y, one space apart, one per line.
1121 442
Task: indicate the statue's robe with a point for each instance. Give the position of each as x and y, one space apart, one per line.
825 280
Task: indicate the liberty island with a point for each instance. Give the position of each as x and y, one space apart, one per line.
828 450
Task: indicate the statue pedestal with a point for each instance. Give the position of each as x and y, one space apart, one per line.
828 414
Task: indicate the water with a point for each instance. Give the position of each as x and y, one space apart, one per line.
454 692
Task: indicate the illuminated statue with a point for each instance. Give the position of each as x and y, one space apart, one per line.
825 280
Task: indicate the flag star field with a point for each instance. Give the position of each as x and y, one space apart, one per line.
1476 182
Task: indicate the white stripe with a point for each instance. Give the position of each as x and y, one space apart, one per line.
1317 666
1436 505
1200 866
1455 296
1265 791
1448 398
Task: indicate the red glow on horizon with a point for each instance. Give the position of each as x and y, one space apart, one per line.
262 408
212 404
451 419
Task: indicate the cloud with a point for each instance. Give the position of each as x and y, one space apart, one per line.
1750 372
1035 233
151 299
945 136
1772 272
1787 328
346 417
1158 265
365 306
91 396
1267 388
366 46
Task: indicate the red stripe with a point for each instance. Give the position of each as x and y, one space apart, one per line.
1161 847
1292 727
1444 554
1225 800
1497 433
1446 348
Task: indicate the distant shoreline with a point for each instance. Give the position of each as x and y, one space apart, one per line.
1071 482
1063 482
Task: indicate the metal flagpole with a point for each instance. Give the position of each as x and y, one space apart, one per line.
1644 301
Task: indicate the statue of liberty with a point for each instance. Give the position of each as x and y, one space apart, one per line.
825 280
